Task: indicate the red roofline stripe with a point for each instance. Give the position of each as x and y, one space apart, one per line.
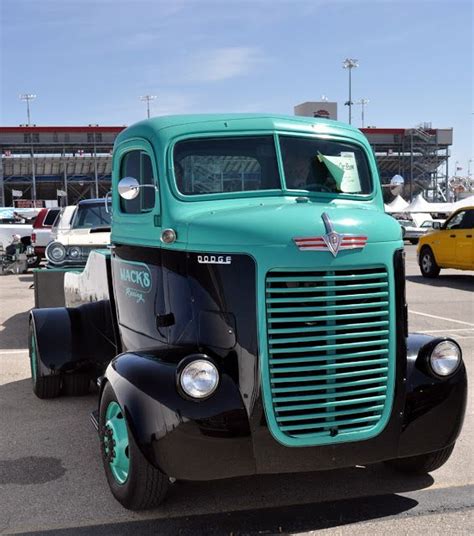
19 130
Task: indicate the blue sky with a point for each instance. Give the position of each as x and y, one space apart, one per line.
89 61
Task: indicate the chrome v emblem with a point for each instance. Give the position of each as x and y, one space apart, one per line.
332 239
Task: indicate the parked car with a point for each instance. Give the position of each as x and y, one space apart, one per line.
78 233
15 221
450 245
63 221
412 232
42 226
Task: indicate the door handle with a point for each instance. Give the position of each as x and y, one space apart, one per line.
469 236
452 236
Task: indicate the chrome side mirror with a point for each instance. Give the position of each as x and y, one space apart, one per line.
436 225
128 188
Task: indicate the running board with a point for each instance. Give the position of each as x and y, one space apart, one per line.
94 417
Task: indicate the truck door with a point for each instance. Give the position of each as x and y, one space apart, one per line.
136 253
446 241
465 240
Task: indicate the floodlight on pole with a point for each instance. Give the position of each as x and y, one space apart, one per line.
147 99
362 102
350 63
27 97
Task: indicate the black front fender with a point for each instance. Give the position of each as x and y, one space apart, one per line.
176 434
434 407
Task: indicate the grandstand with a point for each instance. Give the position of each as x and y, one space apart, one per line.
65 164
55 163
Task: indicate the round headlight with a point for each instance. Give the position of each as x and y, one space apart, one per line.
74 252
199 378
55 252
445 358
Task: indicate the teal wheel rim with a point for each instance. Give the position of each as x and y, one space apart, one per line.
33 362
116 442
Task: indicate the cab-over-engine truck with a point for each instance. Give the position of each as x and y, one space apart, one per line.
249 316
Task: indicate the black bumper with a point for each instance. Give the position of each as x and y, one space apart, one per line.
224 437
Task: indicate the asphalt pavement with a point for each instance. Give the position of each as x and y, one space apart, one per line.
52 481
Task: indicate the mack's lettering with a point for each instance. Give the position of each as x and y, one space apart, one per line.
137 277
214 259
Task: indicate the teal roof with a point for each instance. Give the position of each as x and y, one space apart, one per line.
183 124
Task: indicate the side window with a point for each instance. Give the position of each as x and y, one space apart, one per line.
455 222
468 220
137 164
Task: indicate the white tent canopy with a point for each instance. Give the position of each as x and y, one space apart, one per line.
397 205
466 202
420 206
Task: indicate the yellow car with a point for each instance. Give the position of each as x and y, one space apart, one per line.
450 245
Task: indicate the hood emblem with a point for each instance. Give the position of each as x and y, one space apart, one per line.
332 240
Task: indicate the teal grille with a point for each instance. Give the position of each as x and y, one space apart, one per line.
328 351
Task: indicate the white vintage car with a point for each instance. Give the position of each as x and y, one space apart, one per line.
78 231
15 221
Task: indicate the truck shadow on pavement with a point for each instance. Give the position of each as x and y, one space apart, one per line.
14 334
458 282
263 504
265 521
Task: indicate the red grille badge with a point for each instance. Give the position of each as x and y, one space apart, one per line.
332 241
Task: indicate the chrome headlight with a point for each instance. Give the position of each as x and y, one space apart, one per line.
445 358
74 252
55 252
199 378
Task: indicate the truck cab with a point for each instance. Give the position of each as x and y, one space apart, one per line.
249 316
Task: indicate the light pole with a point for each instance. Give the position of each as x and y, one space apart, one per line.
350 63
362 103
147 99
27 97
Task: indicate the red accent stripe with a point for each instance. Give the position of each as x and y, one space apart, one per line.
317 243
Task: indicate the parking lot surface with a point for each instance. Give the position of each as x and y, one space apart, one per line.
52 481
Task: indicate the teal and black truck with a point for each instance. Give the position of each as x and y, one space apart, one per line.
249 316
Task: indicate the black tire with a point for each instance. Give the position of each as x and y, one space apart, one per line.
146 486
428 266
34 262
422 464
43 386
76 384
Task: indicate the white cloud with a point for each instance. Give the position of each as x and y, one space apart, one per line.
224 63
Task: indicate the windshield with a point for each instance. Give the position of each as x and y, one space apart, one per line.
91 216
318 165
219 165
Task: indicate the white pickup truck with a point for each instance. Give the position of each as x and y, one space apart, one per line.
15 221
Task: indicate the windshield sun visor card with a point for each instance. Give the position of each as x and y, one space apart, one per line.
344 171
